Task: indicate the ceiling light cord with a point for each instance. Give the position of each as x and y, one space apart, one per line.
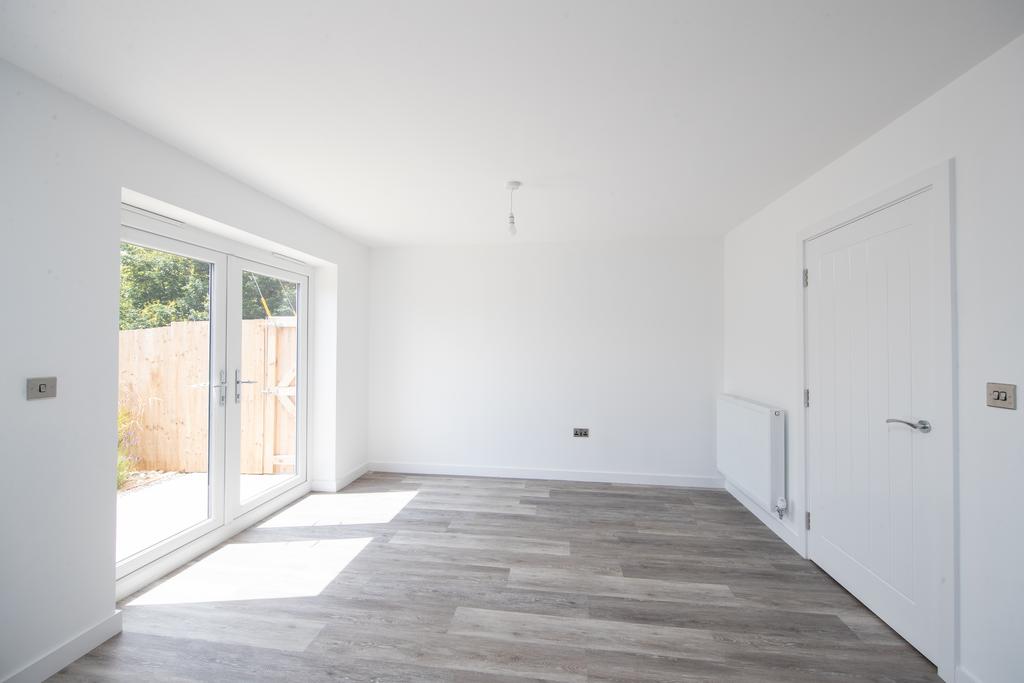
512 186
511 214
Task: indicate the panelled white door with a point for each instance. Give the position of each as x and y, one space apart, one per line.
878 307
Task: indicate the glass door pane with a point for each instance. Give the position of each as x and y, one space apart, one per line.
268 372
165 394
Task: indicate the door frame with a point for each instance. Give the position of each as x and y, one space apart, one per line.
216 415
145 567
236 507
939 180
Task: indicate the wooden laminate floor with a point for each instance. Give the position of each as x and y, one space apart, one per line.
426 578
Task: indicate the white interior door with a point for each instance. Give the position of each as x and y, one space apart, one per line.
879 340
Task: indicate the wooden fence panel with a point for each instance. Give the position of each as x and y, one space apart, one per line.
160 373
158 368
281 402
254 347
268 414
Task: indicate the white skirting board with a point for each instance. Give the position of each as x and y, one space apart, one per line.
54 661
965 676
335 485
771 521
557 475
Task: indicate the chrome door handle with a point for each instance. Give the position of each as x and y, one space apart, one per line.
221 395
238 385
923 426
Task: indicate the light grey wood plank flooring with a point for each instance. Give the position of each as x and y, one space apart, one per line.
423 578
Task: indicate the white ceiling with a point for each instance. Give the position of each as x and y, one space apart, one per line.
399 122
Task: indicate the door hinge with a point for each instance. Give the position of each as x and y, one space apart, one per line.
807 398
807 520
806 277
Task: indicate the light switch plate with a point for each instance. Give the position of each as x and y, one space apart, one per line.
1001 395
41 387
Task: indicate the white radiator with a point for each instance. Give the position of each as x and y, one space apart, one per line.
752 451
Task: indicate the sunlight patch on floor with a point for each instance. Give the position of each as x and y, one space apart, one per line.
257 571
378 507
153 513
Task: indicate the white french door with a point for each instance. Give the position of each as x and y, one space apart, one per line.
267 361
212 390
879 420
171 396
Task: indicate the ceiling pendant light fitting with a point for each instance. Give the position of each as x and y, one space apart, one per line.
512 186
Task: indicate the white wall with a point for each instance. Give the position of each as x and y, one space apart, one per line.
483 359
62 168
979 121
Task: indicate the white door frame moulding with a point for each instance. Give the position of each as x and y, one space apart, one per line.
938 179
555 475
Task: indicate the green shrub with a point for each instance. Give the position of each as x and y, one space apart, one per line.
127 437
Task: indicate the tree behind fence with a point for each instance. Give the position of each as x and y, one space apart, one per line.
162 371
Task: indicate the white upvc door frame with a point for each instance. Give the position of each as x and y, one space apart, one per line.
227 515
217 370
237 507
938 180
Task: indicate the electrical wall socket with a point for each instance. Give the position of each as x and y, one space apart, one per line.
581 431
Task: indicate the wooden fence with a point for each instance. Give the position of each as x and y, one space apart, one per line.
162 371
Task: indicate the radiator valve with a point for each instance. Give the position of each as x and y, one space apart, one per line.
780 507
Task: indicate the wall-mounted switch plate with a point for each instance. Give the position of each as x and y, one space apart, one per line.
41 387
1001 395
581 431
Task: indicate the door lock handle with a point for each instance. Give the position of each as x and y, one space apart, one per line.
238 385
222 386
923 426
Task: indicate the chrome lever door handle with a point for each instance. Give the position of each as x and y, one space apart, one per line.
923 426
238 385
222 386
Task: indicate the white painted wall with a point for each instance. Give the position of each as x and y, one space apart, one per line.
62 167
979 121
484 358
